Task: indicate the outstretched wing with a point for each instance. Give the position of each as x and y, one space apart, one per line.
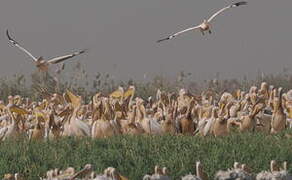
178 33
17 45
228 7
63 58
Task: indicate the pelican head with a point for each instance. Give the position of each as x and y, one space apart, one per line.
10 99
182 92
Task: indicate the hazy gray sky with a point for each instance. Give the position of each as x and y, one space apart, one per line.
122 34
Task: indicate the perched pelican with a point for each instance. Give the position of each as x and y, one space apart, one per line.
42 64
205 26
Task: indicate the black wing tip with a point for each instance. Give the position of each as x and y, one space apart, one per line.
10 38
240 3
82 51
164 39
7 33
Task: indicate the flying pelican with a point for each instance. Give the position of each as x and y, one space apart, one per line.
42 64
205 26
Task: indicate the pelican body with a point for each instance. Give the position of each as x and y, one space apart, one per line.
205 26
42 65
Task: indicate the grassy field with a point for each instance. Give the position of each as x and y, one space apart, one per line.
136 156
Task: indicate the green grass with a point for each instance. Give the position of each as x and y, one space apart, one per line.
136 156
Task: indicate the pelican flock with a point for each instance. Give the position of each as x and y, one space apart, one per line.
41 63
205 25
122 112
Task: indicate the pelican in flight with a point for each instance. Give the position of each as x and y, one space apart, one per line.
42 64
205 26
